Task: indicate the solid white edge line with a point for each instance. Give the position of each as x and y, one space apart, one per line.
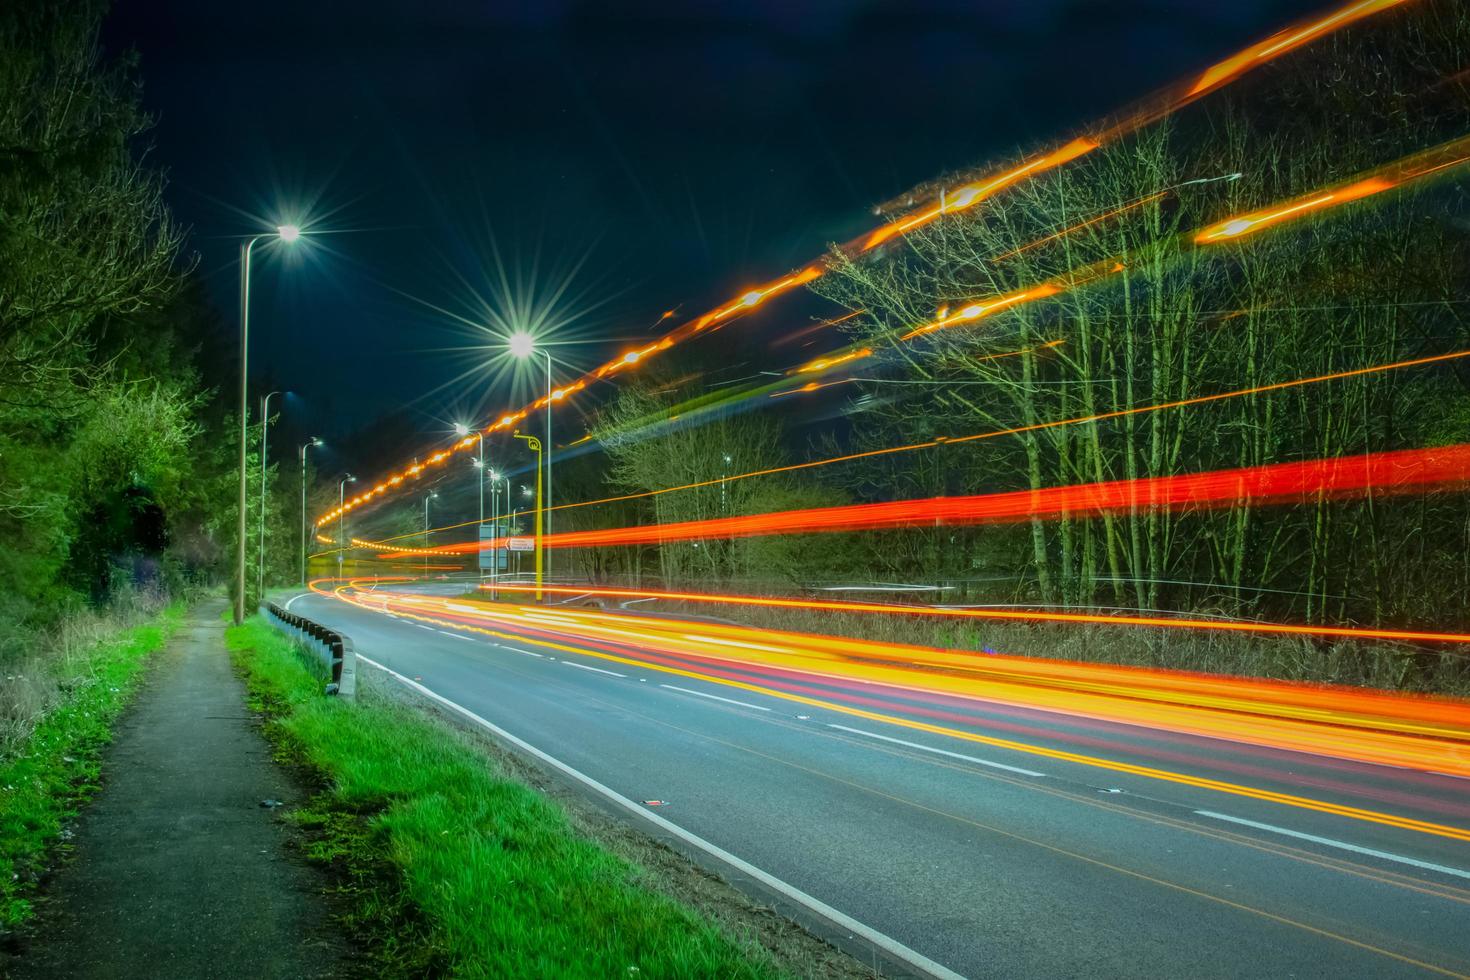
614 673
930 748
816 905
300 595
1341 845
714 697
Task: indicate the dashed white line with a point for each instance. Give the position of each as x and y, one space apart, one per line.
1340 845
946 752
459 636
713 697
599 670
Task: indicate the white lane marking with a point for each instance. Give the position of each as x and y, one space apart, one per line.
459 636
571 663
844 921
423 627
1340 845
713 697
930 748
287 606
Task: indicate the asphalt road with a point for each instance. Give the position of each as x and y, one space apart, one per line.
993 862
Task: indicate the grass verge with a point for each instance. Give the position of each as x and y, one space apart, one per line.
451 867
48 775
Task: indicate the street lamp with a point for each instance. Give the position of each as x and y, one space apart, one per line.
534 444
522 345
288 234
265 422
495 524
461 429
428 498
342 519
304 447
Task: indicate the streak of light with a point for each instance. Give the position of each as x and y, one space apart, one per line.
827 363
949 202
1386 178
1420 733
1282 42
1011 615
1124 209
997 433
1342 477
968 195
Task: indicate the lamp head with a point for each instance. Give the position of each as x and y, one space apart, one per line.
317 442
460 429
521 344
288 233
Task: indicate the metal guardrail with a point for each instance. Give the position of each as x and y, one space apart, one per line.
328 645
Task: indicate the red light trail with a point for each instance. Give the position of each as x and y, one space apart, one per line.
1337 478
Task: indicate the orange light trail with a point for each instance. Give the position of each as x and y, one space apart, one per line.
997 433
1282 42
967 196
1409 732
1015 615
1388 177
960 199
1342 477
1080 225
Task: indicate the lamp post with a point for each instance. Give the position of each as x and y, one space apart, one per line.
304 447
342 519
534 444
265 424
523 345
461 429
288 234
428 498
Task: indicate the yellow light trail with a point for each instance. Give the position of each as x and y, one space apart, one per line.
1342 742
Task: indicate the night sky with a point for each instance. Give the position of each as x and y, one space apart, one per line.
669 153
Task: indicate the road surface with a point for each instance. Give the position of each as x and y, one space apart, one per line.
1066 856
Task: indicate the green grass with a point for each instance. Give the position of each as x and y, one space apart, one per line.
485 877
48 778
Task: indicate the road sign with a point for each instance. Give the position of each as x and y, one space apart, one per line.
521 544
492 558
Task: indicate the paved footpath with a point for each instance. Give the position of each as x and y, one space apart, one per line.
178 870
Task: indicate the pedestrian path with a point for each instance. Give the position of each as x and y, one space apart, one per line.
178 869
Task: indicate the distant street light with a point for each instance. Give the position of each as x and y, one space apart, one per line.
342 520
523 345
265 423
304 447
285 233
461 429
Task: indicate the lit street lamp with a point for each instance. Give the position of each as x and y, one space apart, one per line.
523 345
342 519
304 447
461 429
288 234
265 423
